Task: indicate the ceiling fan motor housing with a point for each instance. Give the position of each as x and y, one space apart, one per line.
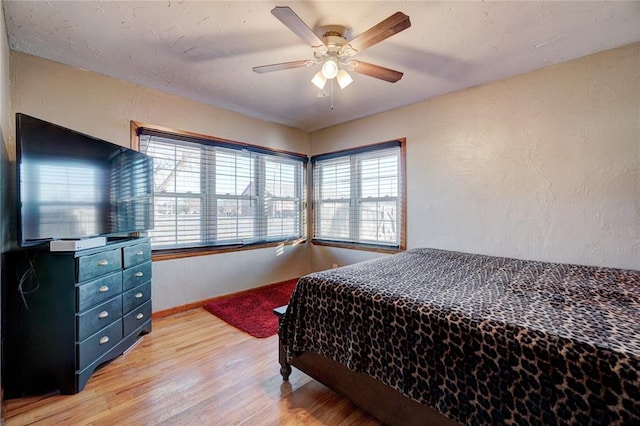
335 45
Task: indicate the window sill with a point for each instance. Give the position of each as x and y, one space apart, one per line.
169 254
355 246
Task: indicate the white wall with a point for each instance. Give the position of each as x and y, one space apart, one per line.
5 98
6 130
103 107
5 177
542 166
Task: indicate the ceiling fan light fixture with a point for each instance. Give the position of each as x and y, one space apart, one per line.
319 80
344 79
330 69
320 50
347 51
352 65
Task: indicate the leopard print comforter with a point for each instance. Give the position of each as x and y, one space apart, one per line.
484 340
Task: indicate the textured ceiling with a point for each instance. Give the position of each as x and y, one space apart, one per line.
204 50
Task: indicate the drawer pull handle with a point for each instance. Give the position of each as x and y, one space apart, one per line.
138 295
139 253
104 340
103 288
103 262
138 274
103 314
140 316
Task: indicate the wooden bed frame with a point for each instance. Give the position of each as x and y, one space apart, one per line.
382 401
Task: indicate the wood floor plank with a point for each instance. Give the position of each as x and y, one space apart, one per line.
192 369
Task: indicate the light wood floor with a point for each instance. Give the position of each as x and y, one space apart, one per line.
193 369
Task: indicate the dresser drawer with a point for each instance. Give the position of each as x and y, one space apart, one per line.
136 297
94 346
136 275
99 264
99 317
100 290
137 317
135 255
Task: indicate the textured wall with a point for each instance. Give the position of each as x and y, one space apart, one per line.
5 175
102 107
542 166
6 128
6 142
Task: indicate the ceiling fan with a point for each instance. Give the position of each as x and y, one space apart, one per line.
335 52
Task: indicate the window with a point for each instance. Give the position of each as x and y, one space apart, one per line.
359 196
218 193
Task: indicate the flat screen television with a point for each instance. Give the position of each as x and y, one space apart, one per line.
74 186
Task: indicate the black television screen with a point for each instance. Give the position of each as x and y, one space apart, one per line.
73 186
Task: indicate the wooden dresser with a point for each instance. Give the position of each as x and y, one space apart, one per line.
67 313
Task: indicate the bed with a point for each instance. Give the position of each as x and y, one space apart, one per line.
464 338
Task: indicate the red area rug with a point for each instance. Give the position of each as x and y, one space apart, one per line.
252 311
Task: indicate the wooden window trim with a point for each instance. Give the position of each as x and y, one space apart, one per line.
135 140
169 254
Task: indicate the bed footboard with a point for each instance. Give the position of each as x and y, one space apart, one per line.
381 401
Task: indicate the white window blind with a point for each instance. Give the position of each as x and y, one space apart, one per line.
357 195
214 194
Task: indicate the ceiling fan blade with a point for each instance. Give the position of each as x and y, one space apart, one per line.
377 71
297 25
282 66
383 30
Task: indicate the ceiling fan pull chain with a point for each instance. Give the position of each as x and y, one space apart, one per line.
331 94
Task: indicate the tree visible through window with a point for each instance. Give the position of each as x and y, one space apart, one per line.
358 196
214 194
